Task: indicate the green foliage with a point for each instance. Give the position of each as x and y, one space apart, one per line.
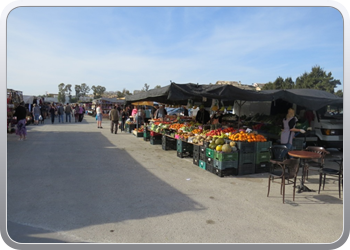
339 93
61 93
316 79
84 89
158 86
98 91
77 89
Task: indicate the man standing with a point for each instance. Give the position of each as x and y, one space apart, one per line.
203 115
114 117
68 111
60 111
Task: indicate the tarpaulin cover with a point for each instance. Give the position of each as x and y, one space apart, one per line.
179 94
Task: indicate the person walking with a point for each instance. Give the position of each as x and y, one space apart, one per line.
81 113
20 113
68 111
60 111
99 116
52 112
114 118
36 114
124 116
76 113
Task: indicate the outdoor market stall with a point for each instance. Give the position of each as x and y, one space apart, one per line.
236 148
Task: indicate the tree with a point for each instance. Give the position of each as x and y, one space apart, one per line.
84 89
61 93
126 92
98 91
157 87
68 88
146 87
77 89
268 86
339 93
317 79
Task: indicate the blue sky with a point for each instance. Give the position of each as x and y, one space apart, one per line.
118 47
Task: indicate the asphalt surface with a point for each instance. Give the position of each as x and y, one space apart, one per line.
73 182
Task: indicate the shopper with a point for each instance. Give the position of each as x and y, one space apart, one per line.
114 118
124 117
185 111
60 111
20 113
68 111
52 112
76 113
81 113
99 116
36 114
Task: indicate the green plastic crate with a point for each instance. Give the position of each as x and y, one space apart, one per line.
209 152
202 164
246 147
184 146
221 156
247 158
262 157
263 146
225 164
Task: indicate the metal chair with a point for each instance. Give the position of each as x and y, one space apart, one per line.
332 172
315 164
290 168
278 154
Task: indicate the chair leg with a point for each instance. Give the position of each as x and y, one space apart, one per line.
268 188
284 188
295 180
339 186
324 181
320 183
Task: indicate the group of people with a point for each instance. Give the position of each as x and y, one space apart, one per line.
62 112
117 115
42 112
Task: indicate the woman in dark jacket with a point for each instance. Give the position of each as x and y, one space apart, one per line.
52 112
124 117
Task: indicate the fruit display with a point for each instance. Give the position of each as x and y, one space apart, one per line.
249 137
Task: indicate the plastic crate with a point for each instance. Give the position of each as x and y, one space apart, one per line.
221 156
183 154
246 158
298 143
196 155
262 157
225 164
184 146
202 164
202 157
246 147
210 168
196 161
155 134
154 141
263 146
225 172
139 134
209 160
248 168
202 149
262 167
196 149
209 152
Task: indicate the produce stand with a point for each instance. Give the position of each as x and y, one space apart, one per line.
14 98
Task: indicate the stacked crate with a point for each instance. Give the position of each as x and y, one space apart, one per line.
130 128
262 156
155 138
168 143
146 134
184 149
226 163
246 162
196 154
209 159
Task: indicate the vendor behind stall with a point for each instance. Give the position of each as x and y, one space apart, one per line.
217 116
203 115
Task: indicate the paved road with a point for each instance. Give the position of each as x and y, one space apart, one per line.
77 183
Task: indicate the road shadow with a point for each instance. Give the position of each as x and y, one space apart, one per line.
70 180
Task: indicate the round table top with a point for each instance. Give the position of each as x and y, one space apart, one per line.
304 154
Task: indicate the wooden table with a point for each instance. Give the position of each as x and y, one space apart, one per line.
303 155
